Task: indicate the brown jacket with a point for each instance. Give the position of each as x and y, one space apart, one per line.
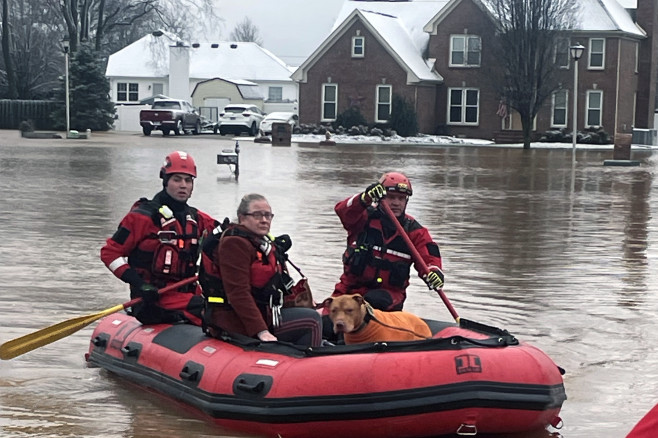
244 317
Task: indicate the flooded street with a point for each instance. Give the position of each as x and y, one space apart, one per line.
564 256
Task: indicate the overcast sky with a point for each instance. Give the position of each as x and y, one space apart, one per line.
291 29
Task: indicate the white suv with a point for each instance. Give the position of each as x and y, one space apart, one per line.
238 118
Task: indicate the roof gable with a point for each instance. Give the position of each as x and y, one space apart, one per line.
391 33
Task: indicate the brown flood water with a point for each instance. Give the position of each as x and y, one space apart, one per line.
562 256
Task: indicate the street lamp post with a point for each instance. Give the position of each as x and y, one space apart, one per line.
576 53
66 45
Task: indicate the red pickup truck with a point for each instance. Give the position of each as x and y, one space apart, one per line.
169 115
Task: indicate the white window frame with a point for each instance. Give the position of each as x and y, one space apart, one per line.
595 55
379 103
471 44
358 46
325 102
131 91
564 108
465 93
590 109
275 94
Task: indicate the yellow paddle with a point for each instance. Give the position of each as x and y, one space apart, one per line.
45 336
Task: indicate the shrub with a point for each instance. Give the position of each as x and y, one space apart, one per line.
586 136
26 126
403 117
349 118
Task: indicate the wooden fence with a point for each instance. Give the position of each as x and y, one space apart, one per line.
13 112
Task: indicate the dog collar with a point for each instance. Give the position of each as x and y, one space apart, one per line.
366 319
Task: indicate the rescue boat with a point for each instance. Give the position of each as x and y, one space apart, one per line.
468 379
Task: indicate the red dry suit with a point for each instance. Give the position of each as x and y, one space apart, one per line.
377 257
157 242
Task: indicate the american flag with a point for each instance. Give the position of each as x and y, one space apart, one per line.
502 109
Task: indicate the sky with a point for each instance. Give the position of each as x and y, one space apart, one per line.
291 29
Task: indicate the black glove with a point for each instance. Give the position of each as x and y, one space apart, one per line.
434 278
148 293
373 193
283 243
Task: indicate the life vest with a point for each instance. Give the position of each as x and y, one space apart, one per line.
376 260
269 278
171 253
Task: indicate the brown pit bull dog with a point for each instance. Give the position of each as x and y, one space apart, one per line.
360 323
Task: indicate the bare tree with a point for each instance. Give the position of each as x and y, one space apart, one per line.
10 76
247 32
29 69
529 31
32 31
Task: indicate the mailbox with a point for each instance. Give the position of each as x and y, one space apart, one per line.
227 157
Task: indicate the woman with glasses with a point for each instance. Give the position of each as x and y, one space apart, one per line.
251 280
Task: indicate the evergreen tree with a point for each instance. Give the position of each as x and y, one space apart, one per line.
89 94
403 117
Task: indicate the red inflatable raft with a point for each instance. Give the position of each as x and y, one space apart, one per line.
465 380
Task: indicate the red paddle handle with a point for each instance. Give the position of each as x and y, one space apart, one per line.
416 256
169 288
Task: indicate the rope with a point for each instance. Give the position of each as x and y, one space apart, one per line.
402 329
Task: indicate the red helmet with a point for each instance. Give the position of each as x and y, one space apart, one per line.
396 182
178 162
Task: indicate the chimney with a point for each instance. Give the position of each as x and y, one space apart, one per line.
179 71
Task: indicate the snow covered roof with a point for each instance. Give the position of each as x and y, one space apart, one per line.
607 16
412 14
149 57
404 40
594 16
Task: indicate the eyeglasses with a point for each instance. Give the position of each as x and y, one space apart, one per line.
258 215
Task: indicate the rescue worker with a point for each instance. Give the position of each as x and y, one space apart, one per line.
247 281
377 261
158 243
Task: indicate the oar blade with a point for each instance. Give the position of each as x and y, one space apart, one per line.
47 335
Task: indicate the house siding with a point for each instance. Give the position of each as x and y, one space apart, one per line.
357 80
618 94
466 18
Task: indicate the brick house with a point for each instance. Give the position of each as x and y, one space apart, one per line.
376 49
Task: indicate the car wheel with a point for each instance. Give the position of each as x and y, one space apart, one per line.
146 130
253 130
165 131
178 130
222 131
197 128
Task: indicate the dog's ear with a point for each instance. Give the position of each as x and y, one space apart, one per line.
326 303
359 299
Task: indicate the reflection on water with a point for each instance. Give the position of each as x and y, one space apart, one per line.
561 256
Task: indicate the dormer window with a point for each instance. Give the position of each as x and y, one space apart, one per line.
358 46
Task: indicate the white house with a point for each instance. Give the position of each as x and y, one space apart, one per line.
162 64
